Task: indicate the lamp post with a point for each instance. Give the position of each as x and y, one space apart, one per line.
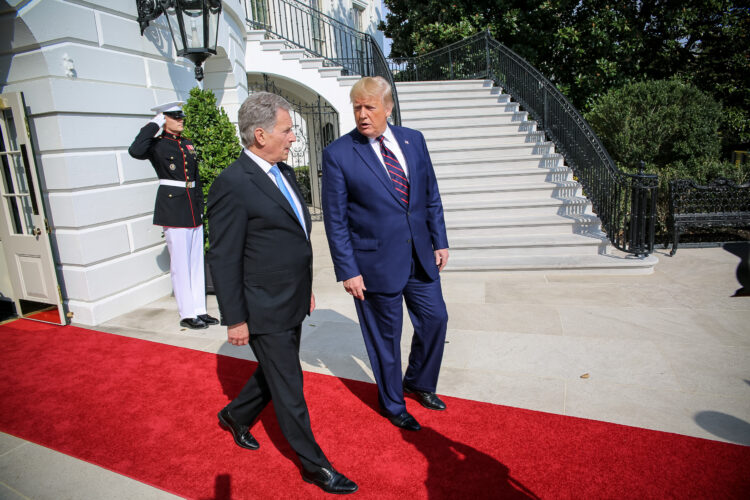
194 25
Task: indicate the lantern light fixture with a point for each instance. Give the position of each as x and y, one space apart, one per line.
194 25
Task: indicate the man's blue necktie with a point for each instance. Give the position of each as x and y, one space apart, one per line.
282 187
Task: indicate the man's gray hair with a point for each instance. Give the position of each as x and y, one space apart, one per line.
259 111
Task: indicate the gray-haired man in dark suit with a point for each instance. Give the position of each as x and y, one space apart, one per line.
261 262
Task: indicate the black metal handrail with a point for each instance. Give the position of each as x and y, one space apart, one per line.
323 37
625 203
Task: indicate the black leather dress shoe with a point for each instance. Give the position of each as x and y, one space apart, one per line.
404 420
240 432
330 481
193 323
427 399
209 320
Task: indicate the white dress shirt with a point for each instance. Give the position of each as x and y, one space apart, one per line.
266 167
392 144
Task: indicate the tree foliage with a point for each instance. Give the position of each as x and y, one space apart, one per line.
662 122
212 133
587 47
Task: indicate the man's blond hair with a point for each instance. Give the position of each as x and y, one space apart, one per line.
372 86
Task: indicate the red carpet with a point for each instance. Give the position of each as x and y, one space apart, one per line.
148 411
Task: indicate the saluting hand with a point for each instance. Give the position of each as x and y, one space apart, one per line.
159 120
238 334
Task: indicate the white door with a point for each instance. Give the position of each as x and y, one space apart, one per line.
24 231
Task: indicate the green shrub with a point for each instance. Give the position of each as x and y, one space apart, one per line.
660 122
213 135
303 179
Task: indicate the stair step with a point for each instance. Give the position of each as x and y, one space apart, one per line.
503 225
601 264
453 85
499 129
273 44
510 161
498 191
312 62
484 112
446 175
407 95
494 210
491 152
540 244
256 35
464 120
450 102
483 141
287 54
330 71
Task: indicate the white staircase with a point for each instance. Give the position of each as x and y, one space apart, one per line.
510 202
283 59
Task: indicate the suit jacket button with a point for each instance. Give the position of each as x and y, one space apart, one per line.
409 240
170 195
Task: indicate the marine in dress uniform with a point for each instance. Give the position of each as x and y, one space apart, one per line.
179 208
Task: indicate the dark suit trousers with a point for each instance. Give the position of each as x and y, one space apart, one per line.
381 320
279 378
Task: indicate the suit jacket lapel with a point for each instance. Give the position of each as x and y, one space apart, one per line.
269 187
364 150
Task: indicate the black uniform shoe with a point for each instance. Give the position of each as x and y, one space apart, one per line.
241 432
427 399
404 421
330 481
209 320
193 323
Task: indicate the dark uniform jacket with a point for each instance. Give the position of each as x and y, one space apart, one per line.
174 158
260 257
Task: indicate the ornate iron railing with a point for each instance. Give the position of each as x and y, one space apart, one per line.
323 37
625 203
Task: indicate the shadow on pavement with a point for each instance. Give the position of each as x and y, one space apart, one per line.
725 426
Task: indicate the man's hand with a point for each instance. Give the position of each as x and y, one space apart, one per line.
159 120
355 287
312 302
238 334
441 258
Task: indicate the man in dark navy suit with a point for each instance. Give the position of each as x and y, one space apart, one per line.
179 208
261 262
386 232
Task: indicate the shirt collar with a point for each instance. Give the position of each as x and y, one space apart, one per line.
169 135
388 134
263 164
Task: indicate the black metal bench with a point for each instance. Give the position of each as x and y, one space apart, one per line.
722 203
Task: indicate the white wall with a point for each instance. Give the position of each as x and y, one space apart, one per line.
90 79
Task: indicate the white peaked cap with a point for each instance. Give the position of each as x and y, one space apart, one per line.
168 107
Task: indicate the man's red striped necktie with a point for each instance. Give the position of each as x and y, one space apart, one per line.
398 176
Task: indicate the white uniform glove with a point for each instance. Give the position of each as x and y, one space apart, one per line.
159 120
